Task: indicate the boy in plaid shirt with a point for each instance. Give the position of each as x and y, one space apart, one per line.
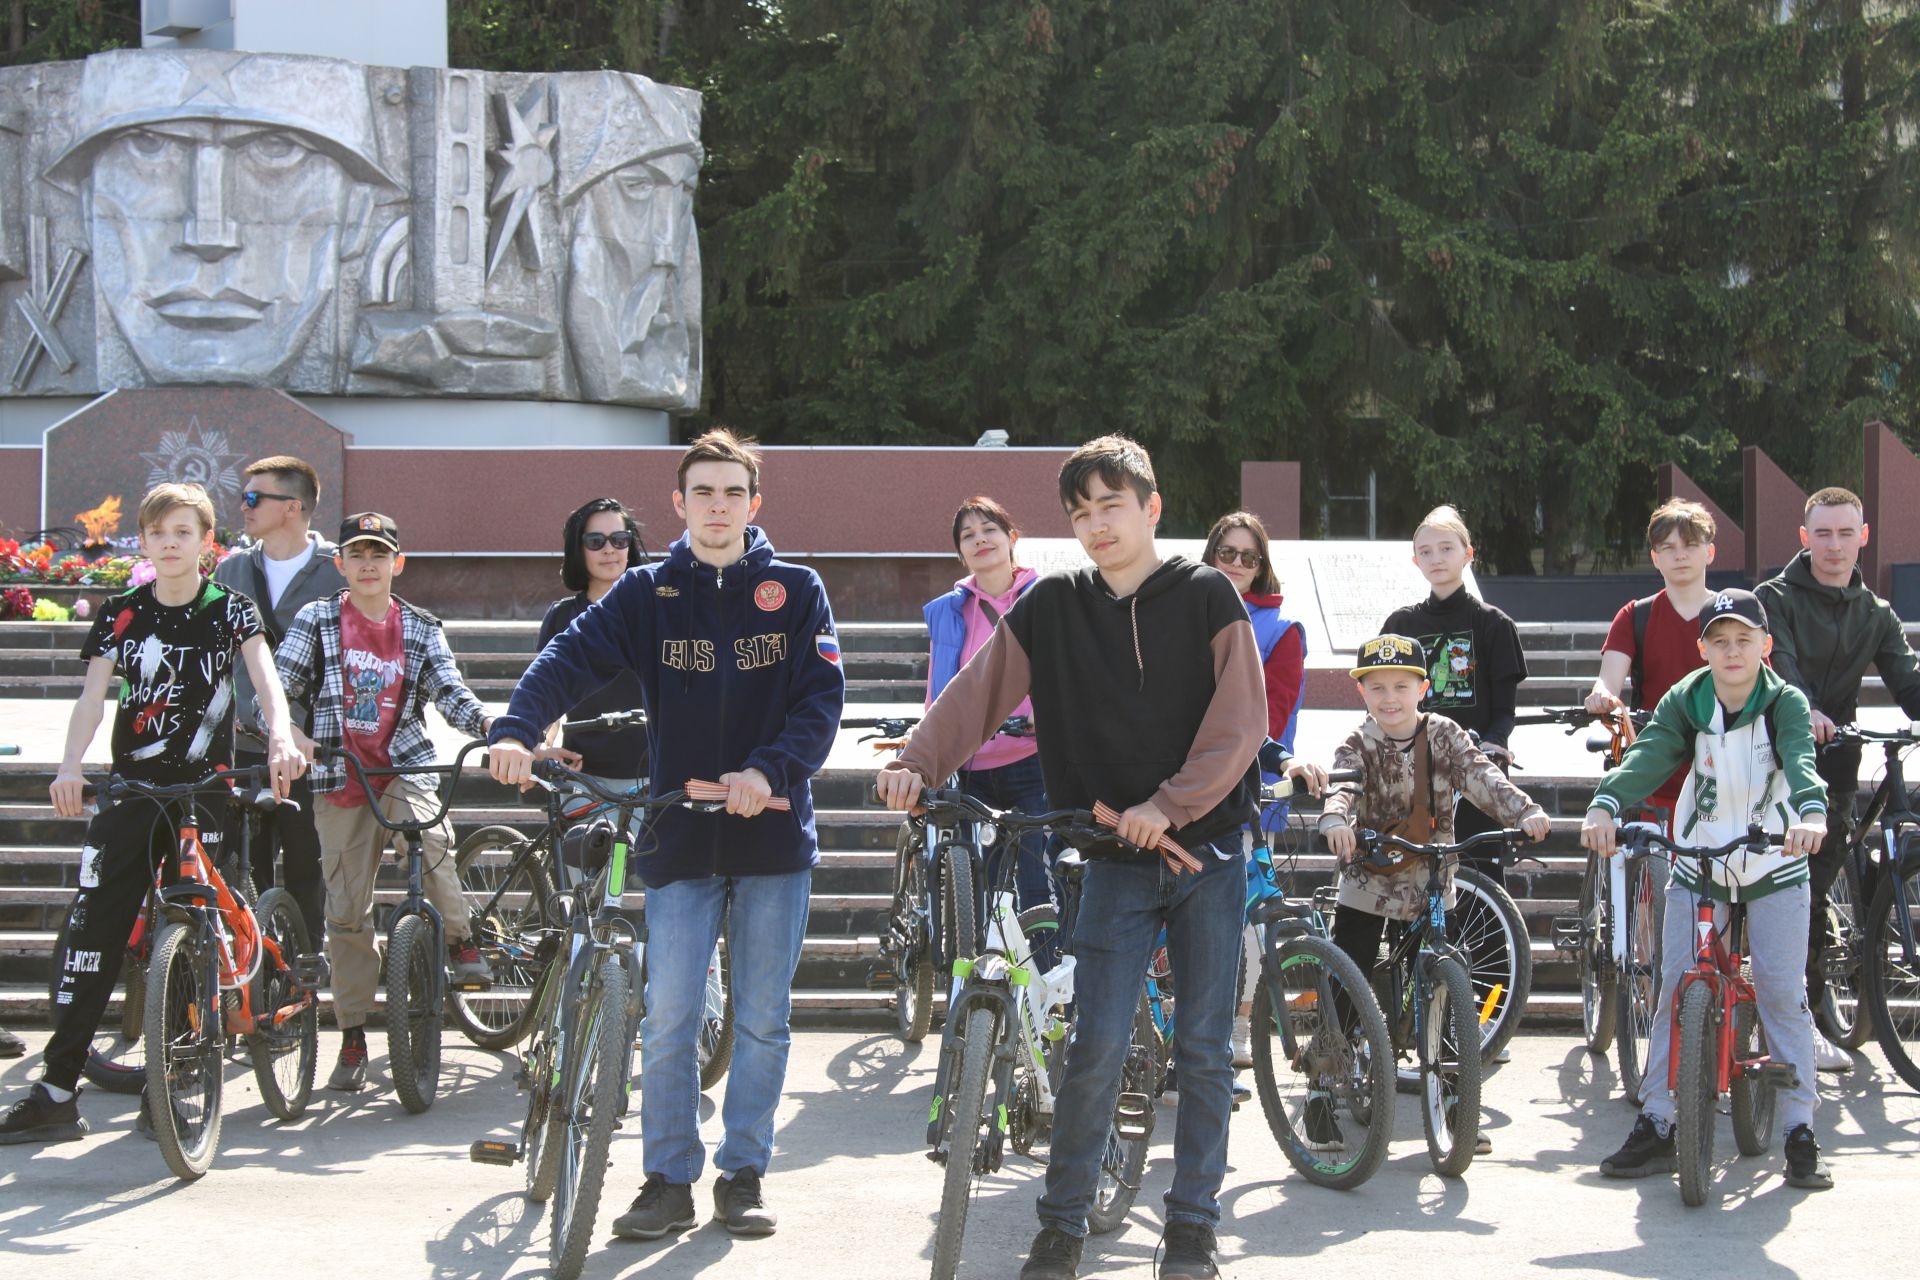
368 662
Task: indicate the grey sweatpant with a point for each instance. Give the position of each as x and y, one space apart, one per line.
1777 934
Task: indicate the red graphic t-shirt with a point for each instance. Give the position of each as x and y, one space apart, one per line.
373 670
1673 651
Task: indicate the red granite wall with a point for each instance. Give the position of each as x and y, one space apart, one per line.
1775 505
1271 490
1892 497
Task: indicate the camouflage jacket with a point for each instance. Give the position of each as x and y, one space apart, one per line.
1385 798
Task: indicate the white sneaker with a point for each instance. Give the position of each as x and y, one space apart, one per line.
1829 1056
1242 1043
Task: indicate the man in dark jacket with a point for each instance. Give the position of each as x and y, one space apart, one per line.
286 566
1827 629
739 666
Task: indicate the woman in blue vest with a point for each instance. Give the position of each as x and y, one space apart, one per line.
1006 772
1237 547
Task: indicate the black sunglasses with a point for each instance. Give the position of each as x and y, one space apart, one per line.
1245 559
251 498
618 541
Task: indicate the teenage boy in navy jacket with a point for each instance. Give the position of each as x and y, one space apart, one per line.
740 670
1147 675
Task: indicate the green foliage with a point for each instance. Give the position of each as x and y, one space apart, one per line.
51 30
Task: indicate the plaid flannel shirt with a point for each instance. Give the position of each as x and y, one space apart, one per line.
311 649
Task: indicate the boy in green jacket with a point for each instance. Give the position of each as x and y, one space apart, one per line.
1748 737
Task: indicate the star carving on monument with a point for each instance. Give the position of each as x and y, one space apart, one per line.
209 79
525 161
196 456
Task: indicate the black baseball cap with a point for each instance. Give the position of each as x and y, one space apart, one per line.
1390 653
1734 603
370 526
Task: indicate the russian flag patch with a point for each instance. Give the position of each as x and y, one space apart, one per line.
827 647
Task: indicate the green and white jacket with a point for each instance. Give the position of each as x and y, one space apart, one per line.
1758 769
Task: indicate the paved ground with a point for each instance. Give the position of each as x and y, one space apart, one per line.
359 1187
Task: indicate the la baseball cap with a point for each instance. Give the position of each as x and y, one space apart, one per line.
1734 603
1390 653
370 526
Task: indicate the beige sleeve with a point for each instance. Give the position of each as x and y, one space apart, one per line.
1230 734
969 710
1480 779
1343 799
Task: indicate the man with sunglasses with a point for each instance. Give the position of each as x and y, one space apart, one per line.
284 566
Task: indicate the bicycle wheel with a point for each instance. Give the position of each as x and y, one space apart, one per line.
1697 1093
967 1105
593 1074
1839 1011
913 992
1125 1159
117 1057
1642 920
716 1022
544 1129
1322 1063
1893 981
959 907
184 1032
1599 984
1449 1067
413 1033
1752 1097
284 1053
1489 932
506 897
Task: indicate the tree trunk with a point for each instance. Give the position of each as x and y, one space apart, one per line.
16 26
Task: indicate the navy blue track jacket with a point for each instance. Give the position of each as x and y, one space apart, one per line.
739 668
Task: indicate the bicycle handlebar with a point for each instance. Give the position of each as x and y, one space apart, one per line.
946 798
117 788
608 720
1643 835
1376 844
361 773
1286 787
1854 733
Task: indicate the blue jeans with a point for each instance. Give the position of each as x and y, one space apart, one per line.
1122 906
766 923
1016 786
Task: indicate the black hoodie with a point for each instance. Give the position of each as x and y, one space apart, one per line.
1157 696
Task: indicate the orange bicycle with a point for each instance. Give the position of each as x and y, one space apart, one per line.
221 969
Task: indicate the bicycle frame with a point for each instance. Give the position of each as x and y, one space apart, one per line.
1884 812
1716 965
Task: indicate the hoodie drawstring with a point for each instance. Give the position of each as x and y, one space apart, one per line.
1133 610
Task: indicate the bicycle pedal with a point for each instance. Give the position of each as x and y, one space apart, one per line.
309 971
470 986
1779 1075
881 980
1836 962
1569 933
486 1151
1133 1117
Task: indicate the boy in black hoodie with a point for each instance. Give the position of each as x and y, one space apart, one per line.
1149 674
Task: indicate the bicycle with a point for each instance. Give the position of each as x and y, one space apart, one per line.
116 1059
578 1068
1888 958
1320 1042
508 879
1005 1036
1885 836
1716 1030
934 918
1429 1001
221 970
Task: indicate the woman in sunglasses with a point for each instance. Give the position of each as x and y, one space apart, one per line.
601 542
1237 547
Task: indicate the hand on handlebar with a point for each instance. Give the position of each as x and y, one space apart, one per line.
1804 838
1309 774
899 786
1537 827
747 791
286 761
1597 832
1823 727
1600 703
67 793
1143 825
1342 843
510 762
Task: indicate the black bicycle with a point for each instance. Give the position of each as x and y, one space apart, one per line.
1884 972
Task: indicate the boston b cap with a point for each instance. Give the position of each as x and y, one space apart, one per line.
1390 653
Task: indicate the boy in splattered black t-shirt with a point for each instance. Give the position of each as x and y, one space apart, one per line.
174 642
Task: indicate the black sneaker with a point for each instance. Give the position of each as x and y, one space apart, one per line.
11 1045
1187 1252
737 1202
38 1118
1323 1128
1054 1255
1805 1168
660 1207
1646 1151
350 1072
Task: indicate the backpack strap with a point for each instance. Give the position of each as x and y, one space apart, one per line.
1640 610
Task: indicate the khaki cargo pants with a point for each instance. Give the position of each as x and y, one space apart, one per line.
351 842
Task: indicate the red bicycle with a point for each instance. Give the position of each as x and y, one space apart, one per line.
1718 1047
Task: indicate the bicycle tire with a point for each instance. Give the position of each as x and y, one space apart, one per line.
1753 1100
1487 929
1599 983
1638 1004
540 1135
284 1056
507 903
967 1107
715 1044
413 1033
959 930
1449 1068
184 1030
1124 1160
1841 1009
597 1085
913 992
1891 981
1291 1029
117 1056
1695 1096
